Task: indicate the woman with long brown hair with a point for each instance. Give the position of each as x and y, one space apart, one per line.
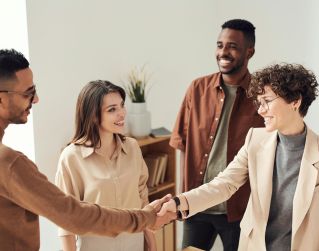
102 166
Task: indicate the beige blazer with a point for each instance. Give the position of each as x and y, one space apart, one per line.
256 161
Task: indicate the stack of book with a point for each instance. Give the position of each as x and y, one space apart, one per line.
157 165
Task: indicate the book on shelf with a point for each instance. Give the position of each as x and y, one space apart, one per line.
160 132
152 164
157 165
163 164
161 168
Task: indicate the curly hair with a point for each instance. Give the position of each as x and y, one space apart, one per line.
288 81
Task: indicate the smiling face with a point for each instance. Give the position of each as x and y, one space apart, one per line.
280 115
113 113
17 106
232 52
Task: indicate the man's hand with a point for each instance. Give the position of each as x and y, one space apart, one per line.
164 218
157 204
167 207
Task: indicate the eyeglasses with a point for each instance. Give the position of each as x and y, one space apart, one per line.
29 93
263 103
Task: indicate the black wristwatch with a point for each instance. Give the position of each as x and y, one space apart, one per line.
178 211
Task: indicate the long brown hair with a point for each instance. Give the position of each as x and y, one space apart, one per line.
88 112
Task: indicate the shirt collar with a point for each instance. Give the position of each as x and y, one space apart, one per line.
244 82
87 151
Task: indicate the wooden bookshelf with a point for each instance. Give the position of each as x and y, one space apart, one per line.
166 237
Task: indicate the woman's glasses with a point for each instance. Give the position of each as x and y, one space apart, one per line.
263 103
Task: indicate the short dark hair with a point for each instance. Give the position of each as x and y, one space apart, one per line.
88 112
245 27
289 81
11 61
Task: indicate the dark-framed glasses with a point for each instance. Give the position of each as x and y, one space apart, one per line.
30 93
263 103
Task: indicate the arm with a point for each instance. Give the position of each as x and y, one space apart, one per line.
142 186
149 238
68 243
181 172
218 190
63 180
31 190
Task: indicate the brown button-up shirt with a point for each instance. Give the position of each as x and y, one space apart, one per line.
25 193
196 127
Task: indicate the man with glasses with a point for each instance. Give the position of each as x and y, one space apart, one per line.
25 193
211 126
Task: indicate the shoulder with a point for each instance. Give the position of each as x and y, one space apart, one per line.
8 155
261 133
204 84
257 137
71 151
131 144
206 80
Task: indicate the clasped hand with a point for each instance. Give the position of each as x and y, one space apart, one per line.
165 212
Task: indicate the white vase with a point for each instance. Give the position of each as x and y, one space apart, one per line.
139 120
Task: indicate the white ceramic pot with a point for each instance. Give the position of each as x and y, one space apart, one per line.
139 120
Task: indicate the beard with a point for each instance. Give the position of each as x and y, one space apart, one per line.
18 115
236 68
18 119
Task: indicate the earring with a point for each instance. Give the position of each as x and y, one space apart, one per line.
295 108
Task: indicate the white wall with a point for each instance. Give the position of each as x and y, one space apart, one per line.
72 42
13 27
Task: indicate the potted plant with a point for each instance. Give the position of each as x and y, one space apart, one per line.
139 118
136 86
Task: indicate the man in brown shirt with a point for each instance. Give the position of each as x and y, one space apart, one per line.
211 126
25 193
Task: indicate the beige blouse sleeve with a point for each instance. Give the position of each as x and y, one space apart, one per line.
63 180
142 187
143 190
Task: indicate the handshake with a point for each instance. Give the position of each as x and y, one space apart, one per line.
165 209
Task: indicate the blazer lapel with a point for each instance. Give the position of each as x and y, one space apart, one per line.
306 180
265 165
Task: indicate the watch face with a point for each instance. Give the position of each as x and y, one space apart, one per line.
177 201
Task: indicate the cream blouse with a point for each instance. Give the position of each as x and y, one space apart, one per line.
92 177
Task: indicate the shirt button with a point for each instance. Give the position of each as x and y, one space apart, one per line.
200 172
216 119
221 100
211 137
206 155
